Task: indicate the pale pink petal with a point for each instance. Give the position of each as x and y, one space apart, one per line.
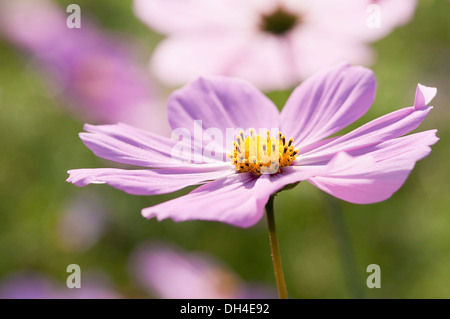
424 95
144 182
311 47
183 16
126 144
238 200
178 60
304 149
327 31
221 103
360 20
230 200
375 175
290 175
387 127
327 102
382 129
260 58
264 60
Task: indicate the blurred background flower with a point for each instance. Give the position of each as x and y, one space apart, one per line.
93 73
166 271
82 223
272 43
34 285
407 235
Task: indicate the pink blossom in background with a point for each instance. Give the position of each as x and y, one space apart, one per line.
33 285
93 72
274 44
82 223
168 272
366 165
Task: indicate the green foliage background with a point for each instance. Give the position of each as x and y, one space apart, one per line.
407 235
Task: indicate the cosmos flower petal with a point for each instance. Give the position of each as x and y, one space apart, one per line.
328 102
242 197
318 55
258 55
382 129
230 200
129 145
362 20
424 95
183 16
144 182
374 176
179 59
272 183
221 103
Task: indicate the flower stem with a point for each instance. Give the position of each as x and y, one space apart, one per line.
276 258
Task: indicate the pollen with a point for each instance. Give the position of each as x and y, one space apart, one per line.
262 154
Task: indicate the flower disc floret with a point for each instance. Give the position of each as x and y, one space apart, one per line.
262 154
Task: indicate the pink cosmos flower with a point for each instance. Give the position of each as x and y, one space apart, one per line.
364 166
91 71
170 273
271 43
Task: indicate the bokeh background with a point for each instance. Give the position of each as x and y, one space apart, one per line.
326 244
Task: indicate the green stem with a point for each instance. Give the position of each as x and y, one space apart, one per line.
276 258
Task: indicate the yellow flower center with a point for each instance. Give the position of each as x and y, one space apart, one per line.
262 154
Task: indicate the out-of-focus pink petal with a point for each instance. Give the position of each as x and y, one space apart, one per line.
178 60
251 56
221 103
323 33
93 73
144 182
327 102
375 175
170 273
260 55
184 16
311 47
129 145
230 200
360 20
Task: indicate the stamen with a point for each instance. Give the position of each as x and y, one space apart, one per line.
290 141
252 154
